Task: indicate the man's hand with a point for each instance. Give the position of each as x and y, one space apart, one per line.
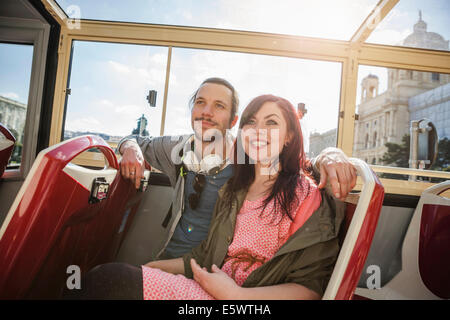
335 167
132 162
217 283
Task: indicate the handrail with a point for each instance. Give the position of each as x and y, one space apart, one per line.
352 240
66 154
411 171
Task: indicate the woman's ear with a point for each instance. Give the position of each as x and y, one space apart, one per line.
288 139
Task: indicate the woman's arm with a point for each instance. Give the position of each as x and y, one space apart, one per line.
174 266
218 284
285 291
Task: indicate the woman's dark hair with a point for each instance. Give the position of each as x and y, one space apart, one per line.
293 165
234 94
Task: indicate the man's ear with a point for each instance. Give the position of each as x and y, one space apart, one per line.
233 123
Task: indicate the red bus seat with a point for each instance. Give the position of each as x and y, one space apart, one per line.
7 141
362 221
54 221
425 252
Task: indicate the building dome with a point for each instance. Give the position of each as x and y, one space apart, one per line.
420 38
420 26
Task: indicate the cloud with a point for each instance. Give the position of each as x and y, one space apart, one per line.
119 67
105 103
10 95
128 109
84 124
187 15
389 36
328 19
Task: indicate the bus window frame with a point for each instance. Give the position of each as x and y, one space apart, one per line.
36 33
350 54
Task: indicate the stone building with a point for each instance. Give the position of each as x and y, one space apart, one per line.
320 141
12 115
435 106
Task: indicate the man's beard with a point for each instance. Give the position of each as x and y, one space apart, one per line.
208 135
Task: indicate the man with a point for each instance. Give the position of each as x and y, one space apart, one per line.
197 165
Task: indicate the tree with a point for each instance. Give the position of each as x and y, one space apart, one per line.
397 155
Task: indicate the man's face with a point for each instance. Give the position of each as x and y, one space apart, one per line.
212 111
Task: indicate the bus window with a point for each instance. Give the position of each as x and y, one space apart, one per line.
416 24
292 17
388 101
15 63
109 85
314 83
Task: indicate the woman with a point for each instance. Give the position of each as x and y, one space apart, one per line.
273 233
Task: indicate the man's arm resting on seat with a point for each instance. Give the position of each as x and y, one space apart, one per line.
334 166
132 162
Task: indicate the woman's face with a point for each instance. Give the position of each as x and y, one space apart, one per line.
265 134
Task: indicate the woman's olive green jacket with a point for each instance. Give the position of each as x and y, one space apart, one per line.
306 258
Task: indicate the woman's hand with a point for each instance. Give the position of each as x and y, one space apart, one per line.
217 283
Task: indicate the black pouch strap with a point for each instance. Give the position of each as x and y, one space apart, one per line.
169 213
167 218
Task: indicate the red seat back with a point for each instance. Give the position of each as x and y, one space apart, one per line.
362 221
434 249
425 258
7 141
52 224
428 240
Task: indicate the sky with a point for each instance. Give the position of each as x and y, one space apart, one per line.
110 82
285 16
398 24
15 71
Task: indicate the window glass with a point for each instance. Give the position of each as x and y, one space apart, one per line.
415 23
389 102
314 83
15 65
320 18
109 85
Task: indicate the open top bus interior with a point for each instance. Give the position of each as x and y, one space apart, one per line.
77 76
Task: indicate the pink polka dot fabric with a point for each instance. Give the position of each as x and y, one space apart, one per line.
259 234
160 285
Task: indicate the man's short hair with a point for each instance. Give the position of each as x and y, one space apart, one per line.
234 94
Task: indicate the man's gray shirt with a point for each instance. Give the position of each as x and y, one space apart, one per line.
186 227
